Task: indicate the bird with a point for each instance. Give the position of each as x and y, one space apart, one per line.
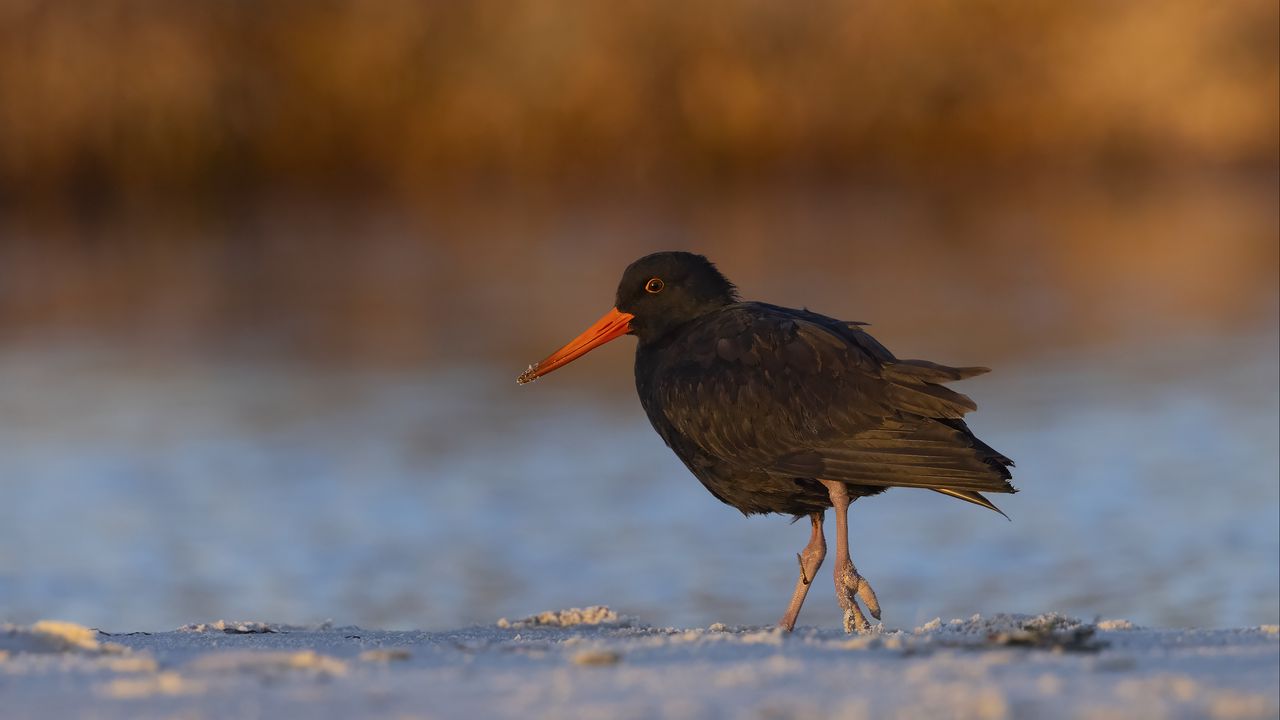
787 411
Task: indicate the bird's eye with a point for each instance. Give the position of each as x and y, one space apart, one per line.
654 286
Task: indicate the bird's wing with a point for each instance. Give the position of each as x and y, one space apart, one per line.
800 394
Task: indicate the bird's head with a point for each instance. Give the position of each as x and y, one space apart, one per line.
665 290
657 294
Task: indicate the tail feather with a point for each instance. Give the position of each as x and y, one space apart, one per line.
972 497
925 371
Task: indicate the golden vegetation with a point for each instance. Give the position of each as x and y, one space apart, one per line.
339 178
139 98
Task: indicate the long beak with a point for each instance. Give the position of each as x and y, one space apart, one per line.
614 324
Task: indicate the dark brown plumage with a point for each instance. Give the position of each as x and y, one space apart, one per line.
760 400
777 410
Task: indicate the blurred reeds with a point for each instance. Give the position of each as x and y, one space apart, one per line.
372 178
124 100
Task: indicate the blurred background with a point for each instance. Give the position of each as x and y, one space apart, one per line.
268 271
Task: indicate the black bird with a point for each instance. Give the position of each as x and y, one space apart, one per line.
779 410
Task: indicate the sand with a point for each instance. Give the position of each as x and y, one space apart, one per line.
593 663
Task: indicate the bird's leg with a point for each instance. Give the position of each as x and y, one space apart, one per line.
810 560
849 584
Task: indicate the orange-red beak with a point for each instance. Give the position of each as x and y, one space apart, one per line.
614 324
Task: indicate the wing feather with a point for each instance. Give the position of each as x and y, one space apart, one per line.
802 395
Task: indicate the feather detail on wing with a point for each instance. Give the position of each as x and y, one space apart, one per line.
803 395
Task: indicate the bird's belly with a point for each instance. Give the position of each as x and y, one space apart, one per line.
756 491
750 490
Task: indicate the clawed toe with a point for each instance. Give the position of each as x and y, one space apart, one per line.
868 597
850 587
855 621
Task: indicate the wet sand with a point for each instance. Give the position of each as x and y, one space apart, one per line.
594 663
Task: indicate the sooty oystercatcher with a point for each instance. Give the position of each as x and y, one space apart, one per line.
778 410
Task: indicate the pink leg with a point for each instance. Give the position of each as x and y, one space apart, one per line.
810 560
849 584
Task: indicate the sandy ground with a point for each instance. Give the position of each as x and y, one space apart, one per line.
593 663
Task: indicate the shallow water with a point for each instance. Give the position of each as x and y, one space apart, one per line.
257 417
143 495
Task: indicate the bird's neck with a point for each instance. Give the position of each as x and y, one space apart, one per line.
662 331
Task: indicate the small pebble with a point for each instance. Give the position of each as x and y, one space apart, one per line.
385 655
597 657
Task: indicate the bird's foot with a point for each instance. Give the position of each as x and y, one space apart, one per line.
850 587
